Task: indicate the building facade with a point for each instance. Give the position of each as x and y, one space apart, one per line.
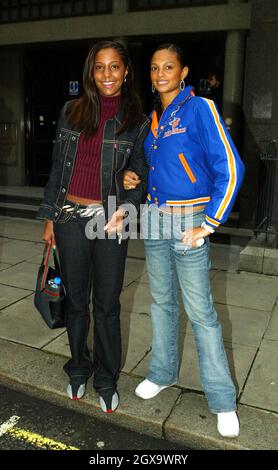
43 45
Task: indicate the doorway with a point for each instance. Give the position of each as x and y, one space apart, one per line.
52 77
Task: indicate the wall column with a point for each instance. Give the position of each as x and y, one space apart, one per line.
233 83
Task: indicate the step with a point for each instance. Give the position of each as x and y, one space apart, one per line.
12 209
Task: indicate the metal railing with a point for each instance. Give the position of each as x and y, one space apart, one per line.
267 171
14 11
137 5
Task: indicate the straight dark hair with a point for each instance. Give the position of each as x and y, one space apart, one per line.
181 58
84 113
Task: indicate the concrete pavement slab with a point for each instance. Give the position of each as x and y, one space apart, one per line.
261 389
37 259
4 240
23 275
248 332
4 266
251 259
22 323
16 251
270 262
9 295
224 259
136 338
21 229
136 249
146 416
192 422
246 306
40 373
245 290
136 298
272 329
59 345
240 359
135 268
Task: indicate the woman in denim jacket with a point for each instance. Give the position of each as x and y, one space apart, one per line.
98 136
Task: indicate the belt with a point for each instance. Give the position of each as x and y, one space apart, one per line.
92 210
179 209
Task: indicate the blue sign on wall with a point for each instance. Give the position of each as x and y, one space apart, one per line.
73 88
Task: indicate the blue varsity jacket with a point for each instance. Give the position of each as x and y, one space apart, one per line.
192 158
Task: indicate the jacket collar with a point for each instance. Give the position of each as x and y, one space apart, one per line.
182 96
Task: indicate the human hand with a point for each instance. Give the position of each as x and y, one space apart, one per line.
130 180
190 237
115 224
48 233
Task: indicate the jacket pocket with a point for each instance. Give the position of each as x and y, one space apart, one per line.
187 168
123 153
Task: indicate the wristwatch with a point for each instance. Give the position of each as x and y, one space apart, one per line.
207 227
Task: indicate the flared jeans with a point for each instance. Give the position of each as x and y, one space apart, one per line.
170 267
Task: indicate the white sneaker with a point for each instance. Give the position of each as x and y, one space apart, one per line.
228 424
147 389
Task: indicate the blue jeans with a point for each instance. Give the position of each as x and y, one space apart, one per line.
169 268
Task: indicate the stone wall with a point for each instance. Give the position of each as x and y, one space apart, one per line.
260 103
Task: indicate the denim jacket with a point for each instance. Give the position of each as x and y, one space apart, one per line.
119 152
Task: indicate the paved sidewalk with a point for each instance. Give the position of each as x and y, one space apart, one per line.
32 356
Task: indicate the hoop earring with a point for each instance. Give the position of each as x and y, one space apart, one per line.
153 88
182 85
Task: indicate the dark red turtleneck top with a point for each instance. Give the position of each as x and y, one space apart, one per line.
85 181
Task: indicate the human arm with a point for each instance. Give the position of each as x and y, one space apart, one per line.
136 170
48 233
46 210
222 160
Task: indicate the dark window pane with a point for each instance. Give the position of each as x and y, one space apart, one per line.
78 7
4 15
22 10
15 14
34 12
90 6
56 10
153 4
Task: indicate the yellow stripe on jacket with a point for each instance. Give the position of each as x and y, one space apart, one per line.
231 162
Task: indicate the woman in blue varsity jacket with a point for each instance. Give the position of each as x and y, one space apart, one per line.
194 177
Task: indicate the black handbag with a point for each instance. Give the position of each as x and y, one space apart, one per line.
50 293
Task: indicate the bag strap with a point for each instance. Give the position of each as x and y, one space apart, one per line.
56 259
48 249
45 264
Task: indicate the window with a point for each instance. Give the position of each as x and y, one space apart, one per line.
136 5
26 10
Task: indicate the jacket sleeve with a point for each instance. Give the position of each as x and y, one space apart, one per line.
46 209
222 159
138 164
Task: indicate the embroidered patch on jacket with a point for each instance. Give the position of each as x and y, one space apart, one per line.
175 129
